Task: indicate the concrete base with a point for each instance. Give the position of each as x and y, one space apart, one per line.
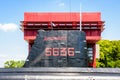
63 73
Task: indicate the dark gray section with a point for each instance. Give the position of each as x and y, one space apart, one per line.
77 39
73 41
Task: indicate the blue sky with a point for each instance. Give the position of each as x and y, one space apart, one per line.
12 44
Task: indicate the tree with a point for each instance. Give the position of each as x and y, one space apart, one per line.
14 64
109 54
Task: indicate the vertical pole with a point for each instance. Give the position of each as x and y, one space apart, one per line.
80 17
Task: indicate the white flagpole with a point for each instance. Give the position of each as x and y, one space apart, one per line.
80 17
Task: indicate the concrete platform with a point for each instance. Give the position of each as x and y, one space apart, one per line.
64 73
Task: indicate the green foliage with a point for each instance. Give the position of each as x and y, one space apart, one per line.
14 64
109 54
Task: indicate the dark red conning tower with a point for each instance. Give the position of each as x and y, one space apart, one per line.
92 25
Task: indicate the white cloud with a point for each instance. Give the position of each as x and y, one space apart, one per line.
61 4
8 27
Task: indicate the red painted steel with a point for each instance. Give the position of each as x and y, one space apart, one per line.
91 24
63 16
94 56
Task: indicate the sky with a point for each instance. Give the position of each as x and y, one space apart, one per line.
12 43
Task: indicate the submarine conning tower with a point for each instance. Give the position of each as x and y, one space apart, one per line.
67 22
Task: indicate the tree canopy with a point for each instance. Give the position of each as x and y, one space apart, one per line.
14 64
109 53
